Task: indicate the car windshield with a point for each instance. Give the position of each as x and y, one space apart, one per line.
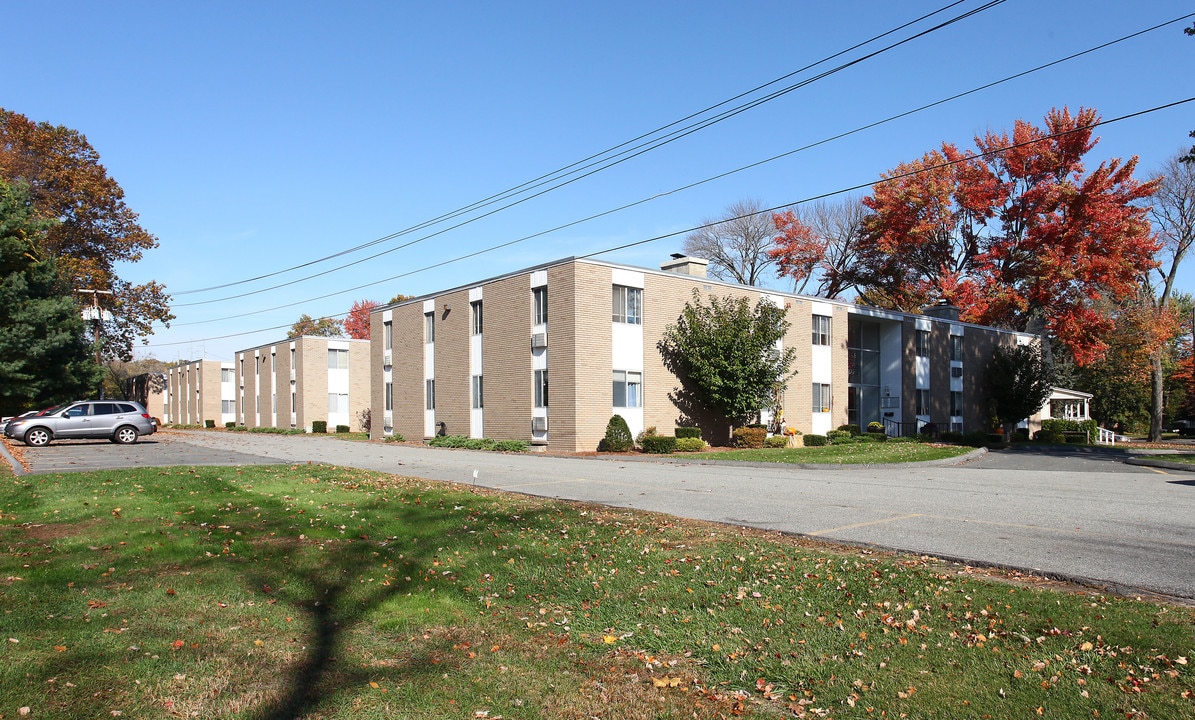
50 410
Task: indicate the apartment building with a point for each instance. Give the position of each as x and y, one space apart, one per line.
294 382
550 353
200 390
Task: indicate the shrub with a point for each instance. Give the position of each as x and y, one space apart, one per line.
837 436
951 436
319 426
975 438
776 441
880 436
687 432
852 429
1054 438
365 418
1063 426
689 444
342 428
238 428
865 438
230 424
875 427
511 445
618 436
816 440
396 437
646 433
659 444
209 424
277 431
1021 434
900 439
750 436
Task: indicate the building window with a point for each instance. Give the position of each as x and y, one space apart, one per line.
541 388
956 372
821 397
429 328
922 402
227 375
476 308
429 393
821 330
274 402
628 305
338 359
539 297
923 343
628 389
228 407
387 335
956 347
389 396
956 403
338 403
478 393
292 403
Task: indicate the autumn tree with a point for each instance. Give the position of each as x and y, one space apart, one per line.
400 298
725 356
736 244
1019 383
94 229
1016 233
322 327
818 244
357 322
135 379
44 357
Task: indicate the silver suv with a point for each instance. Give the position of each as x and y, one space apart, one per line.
121 421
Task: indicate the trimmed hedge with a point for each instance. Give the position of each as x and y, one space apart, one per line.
468 443
903 440
209 424
396 437
852 429
342 428
880 436
816 440
319 426
687 432
230 424
689 444
277 431
512 446
659 444
776 441
836 436
1063 426
750 437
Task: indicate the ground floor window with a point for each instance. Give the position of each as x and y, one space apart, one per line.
429 392
821 397
628 389
477 392
541 388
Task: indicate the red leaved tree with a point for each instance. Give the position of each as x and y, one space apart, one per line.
1016 234
817 244
356 324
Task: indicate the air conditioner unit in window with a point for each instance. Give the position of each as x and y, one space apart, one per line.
539 424
956 372
386 359
539 340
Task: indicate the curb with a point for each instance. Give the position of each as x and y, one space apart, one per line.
17 468
674 460
1163 464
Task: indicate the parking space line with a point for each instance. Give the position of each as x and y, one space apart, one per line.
852 526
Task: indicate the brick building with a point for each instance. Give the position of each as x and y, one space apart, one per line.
548 354
200 390
290 384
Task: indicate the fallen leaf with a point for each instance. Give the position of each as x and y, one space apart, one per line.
608 639
60 648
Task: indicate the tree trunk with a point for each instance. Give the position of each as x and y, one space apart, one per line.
1155 409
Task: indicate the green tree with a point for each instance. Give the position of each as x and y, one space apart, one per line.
323 327
726 356
1019 383
44 358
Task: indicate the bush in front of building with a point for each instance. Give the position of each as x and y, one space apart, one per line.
852 429
815 440
319 426
395 437
230 424
750 436
776 441
689 444
880 435
975 438
342 428
238 428
618 436
658 444
1066 428
902 439
209 424
839 437
512 446
687 432
468 443
278 431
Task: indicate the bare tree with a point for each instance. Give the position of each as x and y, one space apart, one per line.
736 244
1173 214
818 245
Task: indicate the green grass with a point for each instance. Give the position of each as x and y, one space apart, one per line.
318 592
853 454
1177 458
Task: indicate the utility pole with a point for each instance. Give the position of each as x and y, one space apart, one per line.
97 318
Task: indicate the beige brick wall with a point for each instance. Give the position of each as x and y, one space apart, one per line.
579 355
407 371
453 328
506 357
360 380
194 393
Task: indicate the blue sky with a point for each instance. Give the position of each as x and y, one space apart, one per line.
256 136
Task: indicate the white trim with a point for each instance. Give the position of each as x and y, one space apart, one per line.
923 323
429 306
539 278
626 278
821 308
474 294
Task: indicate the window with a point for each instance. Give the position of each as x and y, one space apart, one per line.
478 393
429 393
922 397
387 335
338 403
923 343
227 375
821 397
628 305
956 372
228 407
956 347
628 389
292 360
541 388
429 328
821 330
476 308
539 297
338 359
292 402
956 403
274 402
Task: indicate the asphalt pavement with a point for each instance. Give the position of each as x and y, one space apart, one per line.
1078 514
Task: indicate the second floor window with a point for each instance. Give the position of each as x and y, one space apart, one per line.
227 375
923 343
338 359
387 335
628 305
541 388
539 302
922 402
956 347
429 328
476 311
821 330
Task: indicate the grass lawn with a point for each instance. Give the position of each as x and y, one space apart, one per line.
319 592
852 454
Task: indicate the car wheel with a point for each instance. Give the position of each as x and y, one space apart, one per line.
38 437
125 435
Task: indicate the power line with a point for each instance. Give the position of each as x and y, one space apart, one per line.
606 156
813 198
682 188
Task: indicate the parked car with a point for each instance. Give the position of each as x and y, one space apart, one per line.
121 421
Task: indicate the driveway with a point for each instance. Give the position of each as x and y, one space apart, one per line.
1076 514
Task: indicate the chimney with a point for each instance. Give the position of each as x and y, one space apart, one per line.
942 310
684 265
